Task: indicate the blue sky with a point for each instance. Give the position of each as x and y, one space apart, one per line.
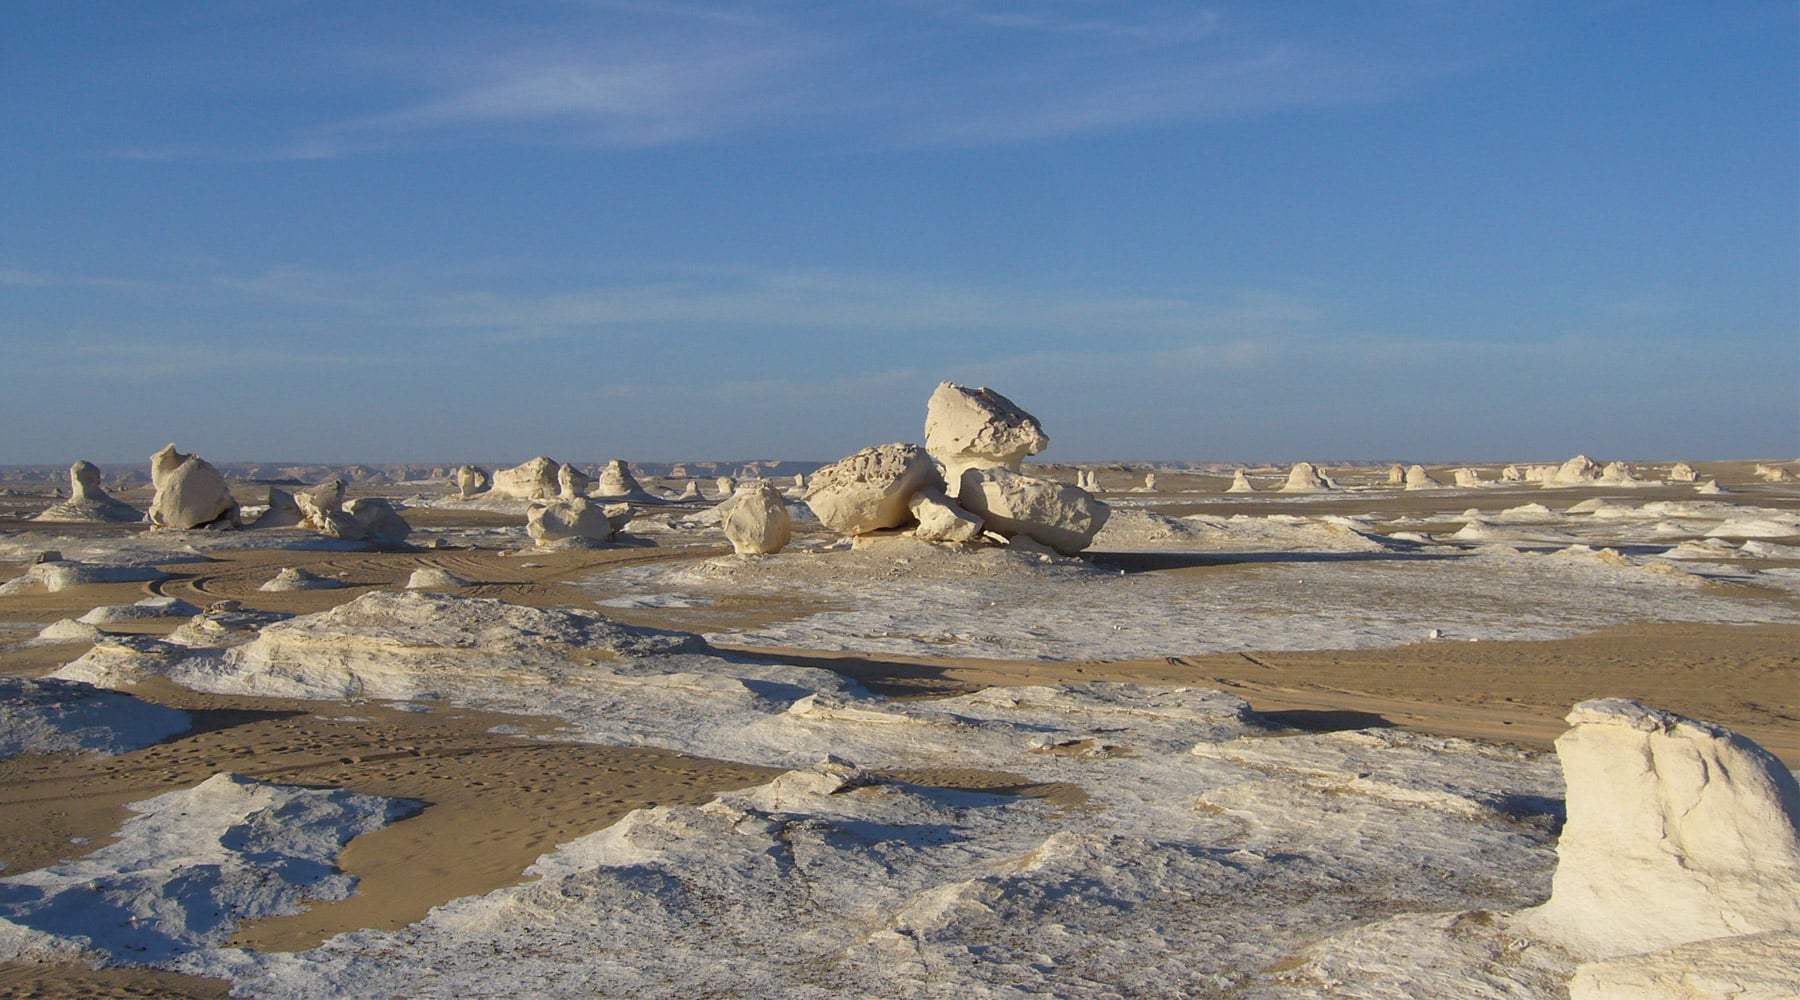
686 230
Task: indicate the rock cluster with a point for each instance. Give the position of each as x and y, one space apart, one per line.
190 493
980 439
88 502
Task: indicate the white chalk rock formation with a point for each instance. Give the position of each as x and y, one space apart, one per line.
562 519
1577 471
872 489
1418 479
1774 474
1747 967
533 480
1149 483
617 483
690 492
1304 477
977 428
472 479
1396 475
572 482
1240 483
366 519
1711 488
1619 474
292 578
1512 474
283 511
434 578
941 519
726 486
319 503
757 522
1677 831
88 502
1468 479
1681 472
1013 504
190 493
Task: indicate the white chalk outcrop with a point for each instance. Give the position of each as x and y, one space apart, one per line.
1304 477
318 503
1240 483
1677 831
283 511
536 479
757 521
570 519
726 487
292 578
472 479
1748 967
871 490
88 502
977 428
1396 475
190 493
434 578
1065 518
1619 474
1418 479
1577 471
366 519
618 484
1468 479
942 519
572 482
1681 472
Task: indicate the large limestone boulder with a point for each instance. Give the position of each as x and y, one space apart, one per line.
533 480
472 479
567 518
190 493
977 428
366 519
1013 504
872 489
319 503
757 521
1418 479
88 502
1677 831
1304 477
941 519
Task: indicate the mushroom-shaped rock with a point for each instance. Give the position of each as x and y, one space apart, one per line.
472 479
1304 477
88 502
977 428
1013 504
1240 483
1677 831
537 479
560 519
1418 479
941 519
283 511
872 489
366 519
190 493
572 482
757 521
617 483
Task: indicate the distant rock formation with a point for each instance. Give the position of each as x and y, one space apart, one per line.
434 578
1396 476
537 479
190 493
292 578
1240 483
1774 474
1304 477
564 519
1619 474
572 482
1681 472
1418 479
366 519
472 479
283 511
1677 831
618 484
757 522
726 485
977 428
1467 479
88 502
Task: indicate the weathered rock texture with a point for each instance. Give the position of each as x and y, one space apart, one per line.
941 519
872 489
1013 504
533 480
572 482
1418 479
88 502
1240 483
571 518
977 428
757 522
190 493
1677 831
1304 477
366 519
1681 472
472 479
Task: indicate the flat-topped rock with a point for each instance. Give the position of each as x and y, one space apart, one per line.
536 479
976 428
872 489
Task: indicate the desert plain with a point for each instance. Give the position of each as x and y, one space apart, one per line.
1263 744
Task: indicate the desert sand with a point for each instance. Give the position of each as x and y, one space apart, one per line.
494 790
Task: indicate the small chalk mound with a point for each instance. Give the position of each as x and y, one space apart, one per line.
294 578
432 578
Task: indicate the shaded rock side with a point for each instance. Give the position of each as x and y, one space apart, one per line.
872 489
1014 504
